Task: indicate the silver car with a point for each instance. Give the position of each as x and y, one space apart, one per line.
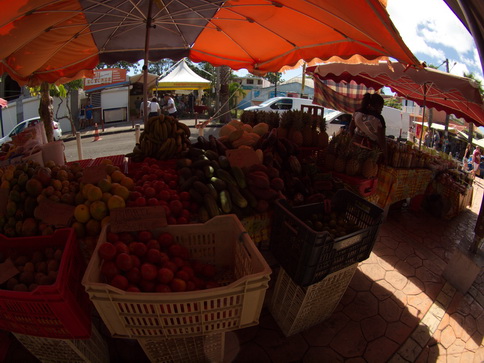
27 123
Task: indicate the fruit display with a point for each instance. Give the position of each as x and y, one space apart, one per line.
163 137
156 184
141 262
35 268
342 156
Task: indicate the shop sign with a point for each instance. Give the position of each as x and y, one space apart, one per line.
105 77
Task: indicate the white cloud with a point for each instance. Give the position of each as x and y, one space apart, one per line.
433 33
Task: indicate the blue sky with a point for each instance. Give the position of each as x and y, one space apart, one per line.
433 33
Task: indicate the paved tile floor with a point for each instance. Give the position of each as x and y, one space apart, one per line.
397 308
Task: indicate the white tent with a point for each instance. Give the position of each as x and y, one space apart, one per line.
182 78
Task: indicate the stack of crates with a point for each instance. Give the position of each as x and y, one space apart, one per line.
53 321
188 326
316 268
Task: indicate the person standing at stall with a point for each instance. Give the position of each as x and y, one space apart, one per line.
367 127
154 108
170 106
476 161
465 158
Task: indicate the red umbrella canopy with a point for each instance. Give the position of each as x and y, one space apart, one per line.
426 86
54 41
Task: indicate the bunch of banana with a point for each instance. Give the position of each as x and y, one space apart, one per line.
163 137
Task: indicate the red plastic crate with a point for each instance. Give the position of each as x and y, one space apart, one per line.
83 163
364 187
61 310
118 160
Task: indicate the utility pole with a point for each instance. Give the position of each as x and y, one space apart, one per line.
217 91
446 130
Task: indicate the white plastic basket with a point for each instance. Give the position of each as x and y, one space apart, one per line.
200 349
221 241
94 349
297 308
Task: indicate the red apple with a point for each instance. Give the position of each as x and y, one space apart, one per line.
132 288
153 243
112 237
121 247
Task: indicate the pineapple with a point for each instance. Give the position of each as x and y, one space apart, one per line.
340 162
369 169
294 133
353 164
285 124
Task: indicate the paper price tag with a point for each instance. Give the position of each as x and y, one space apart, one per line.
131 219
7 270
57 214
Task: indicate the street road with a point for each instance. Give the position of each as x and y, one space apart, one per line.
115 144
112 144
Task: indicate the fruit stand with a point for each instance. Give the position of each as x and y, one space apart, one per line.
174 236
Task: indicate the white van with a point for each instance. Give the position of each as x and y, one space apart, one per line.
396 120
281 104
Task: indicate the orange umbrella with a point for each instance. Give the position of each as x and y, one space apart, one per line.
55 41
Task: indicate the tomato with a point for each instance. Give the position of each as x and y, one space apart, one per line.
166 239
145 236
171 220
149 271
140 202
149 192
176 207
185 213
134 195
152 202
164 195
120 282
109 269
107 251
181 220
124 262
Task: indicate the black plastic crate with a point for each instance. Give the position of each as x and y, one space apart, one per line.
308 255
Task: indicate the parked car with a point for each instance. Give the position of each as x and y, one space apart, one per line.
281 104
28 123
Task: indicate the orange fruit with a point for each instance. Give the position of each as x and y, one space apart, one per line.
98 210
116 202
106 162
105 185
94 193
56 183
117 176
106 197
122 191
81 213
127 182
85 189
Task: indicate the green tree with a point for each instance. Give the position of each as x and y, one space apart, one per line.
393 102
236 91
274 78
63 92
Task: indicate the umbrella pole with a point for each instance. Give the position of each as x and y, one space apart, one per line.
423 117
145 66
